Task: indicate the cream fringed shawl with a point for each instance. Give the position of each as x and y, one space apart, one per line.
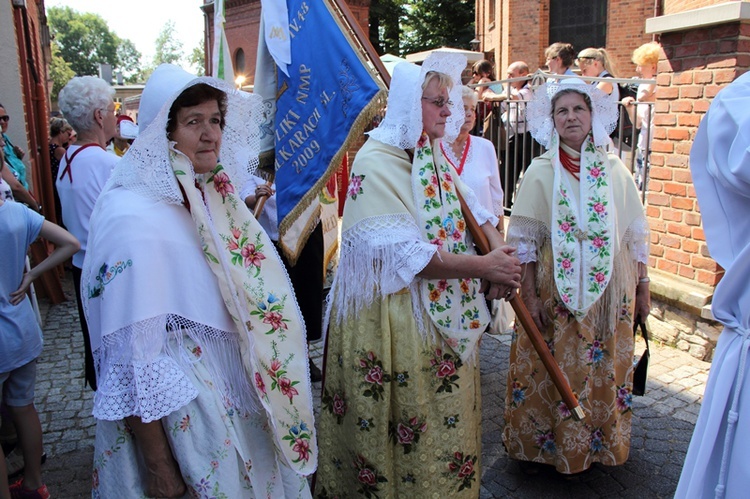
530 228
383 248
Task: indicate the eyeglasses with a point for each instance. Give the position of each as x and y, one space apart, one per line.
439 102
5 118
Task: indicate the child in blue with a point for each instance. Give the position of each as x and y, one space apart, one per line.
21 336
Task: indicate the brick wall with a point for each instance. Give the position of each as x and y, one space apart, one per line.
696 64
521 31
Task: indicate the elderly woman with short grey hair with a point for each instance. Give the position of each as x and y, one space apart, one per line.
87 103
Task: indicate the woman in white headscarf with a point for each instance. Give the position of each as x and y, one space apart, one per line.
717 463
199 345
401 409
582 238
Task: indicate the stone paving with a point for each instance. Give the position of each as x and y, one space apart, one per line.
662 424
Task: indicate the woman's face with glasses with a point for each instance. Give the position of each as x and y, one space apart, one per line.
4 119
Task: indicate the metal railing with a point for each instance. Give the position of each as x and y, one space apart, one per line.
516 150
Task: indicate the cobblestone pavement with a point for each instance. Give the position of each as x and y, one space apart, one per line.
662 424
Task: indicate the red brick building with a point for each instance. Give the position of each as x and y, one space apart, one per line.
242 26
706 45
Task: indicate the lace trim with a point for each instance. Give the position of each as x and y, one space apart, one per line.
481 214
146 168
379 256
402 124
141 368
528 234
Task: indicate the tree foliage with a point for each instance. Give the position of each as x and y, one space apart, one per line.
385 29
81 41
197 59
402 27
60 72
168 48
129 61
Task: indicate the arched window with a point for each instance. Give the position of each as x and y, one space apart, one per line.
239 62
582 24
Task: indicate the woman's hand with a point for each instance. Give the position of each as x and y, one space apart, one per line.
164 478
263 190
502 267
20 153
533 303
18 295
642 302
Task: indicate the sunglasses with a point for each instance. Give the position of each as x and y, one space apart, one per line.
439 102
5 118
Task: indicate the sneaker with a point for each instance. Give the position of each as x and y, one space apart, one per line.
17 491
14 462
315 374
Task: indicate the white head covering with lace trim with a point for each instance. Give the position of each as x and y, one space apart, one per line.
402 124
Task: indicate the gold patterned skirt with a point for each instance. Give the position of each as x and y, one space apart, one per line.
400 414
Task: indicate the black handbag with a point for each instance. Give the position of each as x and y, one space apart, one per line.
641 369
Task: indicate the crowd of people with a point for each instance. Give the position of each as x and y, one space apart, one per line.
202 380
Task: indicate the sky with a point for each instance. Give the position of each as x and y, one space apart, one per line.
142 20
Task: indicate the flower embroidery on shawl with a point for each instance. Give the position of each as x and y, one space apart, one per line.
260 384
402 378
280 382
299 440
406 433
221 181
462 468
374 376
445 367
368 477
335 404
270 311
449 302
244 253
106 275
355 186
124 434
582 234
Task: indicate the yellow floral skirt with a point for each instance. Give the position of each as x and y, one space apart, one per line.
400 414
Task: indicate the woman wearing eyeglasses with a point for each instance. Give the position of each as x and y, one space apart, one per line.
400 407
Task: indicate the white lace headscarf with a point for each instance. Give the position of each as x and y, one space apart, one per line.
542 124
402 124
146 167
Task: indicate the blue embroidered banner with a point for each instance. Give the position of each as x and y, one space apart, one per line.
322 104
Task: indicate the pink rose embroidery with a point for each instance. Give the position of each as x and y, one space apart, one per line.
599 207
366 476
598 242
405 434
375 375
565 226
566 263
599 277
466 469
339 406
446 368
